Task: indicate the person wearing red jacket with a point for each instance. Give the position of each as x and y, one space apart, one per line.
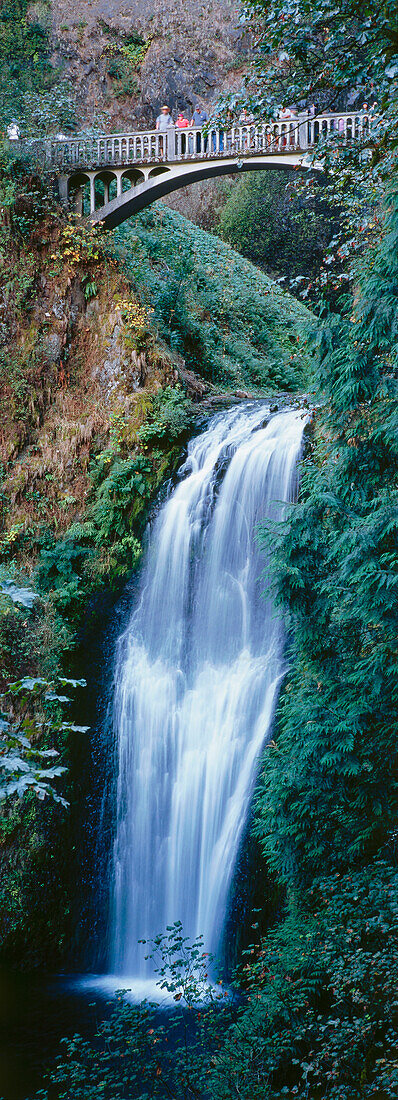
182 124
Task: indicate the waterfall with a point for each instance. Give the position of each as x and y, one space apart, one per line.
197 675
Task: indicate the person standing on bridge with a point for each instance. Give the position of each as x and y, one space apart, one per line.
13 132
182 124
217 136
198 119
163 122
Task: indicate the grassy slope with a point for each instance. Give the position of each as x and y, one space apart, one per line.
232 324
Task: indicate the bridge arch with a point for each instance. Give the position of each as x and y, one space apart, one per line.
159 171
131 177
78 189
108 181
163 181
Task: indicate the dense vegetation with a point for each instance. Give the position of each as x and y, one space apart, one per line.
32 92
270 223
232 324
322 1015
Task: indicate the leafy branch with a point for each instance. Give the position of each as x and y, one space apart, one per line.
31 718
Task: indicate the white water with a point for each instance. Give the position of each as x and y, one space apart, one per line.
197 676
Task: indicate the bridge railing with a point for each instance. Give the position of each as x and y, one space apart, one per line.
107 149
244 140
294 134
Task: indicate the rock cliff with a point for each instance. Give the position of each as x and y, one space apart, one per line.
127 57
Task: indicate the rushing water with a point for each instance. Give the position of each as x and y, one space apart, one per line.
197 675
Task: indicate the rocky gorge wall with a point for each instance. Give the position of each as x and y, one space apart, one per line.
190 52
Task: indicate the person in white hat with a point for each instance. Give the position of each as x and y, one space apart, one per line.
163 122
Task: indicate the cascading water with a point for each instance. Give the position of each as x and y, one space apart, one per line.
197 674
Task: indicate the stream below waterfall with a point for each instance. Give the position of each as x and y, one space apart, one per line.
197 670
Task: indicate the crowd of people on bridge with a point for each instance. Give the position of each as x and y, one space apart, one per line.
199 119
218 127
216 130
165 119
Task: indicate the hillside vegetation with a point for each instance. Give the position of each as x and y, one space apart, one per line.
233 325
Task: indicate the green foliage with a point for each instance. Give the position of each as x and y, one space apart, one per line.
119 495
33 741
134 1054
29 721
267 221
31 92
125 54
351 46
61 569
321 999
321 1020
24 49
169 419
104 546
47 110
120 499
338 576
18 633
351 56
34 903
230 322
315 1020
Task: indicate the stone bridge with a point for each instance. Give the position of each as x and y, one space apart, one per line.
113 176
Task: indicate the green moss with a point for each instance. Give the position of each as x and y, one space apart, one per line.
124 54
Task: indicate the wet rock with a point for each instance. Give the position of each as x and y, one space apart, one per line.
90 68
52 347
92 308
59 308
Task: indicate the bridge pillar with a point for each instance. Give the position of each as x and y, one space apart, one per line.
303 130
92 194
119 184
63 189
78 201
171 144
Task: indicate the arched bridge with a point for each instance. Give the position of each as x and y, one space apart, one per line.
113 176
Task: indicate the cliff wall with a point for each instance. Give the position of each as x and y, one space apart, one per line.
128 57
